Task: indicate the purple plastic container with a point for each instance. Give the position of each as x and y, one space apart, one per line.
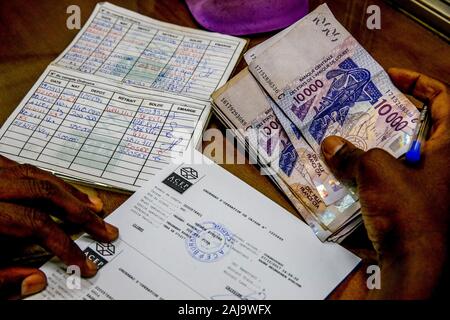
243 17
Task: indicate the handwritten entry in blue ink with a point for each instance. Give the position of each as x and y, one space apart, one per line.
83 127
130 48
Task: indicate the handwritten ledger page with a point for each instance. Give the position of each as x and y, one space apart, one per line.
130 48
129 94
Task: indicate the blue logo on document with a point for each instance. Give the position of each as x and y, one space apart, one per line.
350 84
209 242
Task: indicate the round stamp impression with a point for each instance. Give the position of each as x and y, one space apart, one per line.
210 242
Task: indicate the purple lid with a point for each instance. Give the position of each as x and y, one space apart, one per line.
240 17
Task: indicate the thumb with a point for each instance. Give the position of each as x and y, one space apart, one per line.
342 157
18 282
353 166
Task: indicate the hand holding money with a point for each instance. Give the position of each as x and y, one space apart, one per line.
405 209
328 84
310 81
279 148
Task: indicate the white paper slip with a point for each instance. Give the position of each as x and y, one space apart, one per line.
197 232
127 47
89 129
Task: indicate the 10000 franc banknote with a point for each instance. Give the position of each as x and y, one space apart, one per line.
295 162
324 181
328 84
245 103
266 169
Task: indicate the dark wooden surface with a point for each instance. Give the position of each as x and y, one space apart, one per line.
33 33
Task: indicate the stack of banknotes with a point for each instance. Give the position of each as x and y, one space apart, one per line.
310 81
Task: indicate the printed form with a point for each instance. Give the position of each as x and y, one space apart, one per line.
82 127
127 95
127 47
187 234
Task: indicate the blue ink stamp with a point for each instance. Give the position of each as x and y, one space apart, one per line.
210 242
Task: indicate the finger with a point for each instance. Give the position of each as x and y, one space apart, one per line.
352 166
428 90
29 171
23 222
73 210
17 282
94 199
342 157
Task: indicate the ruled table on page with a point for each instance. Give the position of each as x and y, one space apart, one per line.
83 127
130 48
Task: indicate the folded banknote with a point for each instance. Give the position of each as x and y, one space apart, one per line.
328 84
243 105
310 81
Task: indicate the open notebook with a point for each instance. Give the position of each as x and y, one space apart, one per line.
127 95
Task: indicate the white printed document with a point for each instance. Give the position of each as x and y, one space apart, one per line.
86 129
197 232
125 97
127 47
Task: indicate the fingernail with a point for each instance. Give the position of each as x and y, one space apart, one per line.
97 203
331 145
91 269
112 231
33 284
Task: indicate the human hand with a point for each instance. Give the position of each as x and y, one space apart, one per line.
26 193
405 209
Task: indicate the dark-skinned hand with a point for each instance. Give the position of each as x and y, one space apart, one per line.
26 196
406 209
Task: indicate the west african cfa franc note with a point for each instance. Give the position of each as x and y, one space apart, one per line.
251 108
267 168
243 100
294 167
345 203
329 188
240 103
328 84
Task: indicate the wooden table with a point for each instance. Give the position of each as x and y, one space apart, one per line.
33 33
